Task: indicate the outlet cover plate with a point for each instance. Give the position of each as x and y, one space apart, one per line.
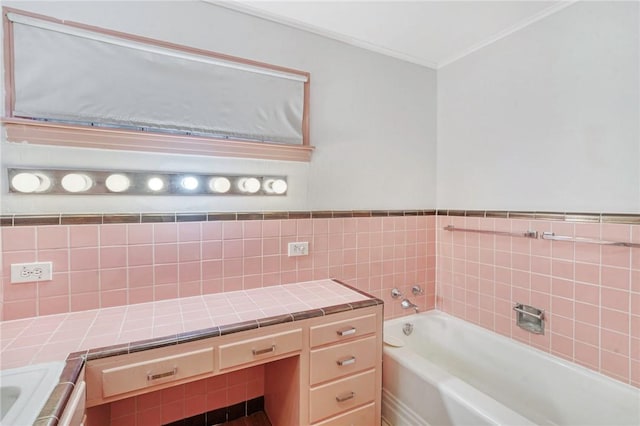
31 272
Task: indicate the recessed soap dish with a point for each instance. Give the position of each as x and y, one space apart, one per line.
529 318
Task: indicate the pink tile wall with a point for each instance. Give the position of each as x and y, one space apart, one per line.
99 266
591 293
182 401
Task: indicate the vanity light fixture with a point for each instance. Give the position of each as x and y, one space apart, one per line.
99 182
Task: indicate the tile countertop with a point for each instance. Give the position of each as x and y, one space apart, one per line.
142 326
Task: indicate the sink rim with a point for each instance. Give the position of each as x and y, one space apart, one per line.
36 382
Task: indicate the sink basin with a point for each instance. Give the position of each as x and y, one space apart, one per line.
25 390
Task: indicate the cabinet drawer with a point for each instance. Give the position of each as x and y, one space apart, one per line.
342 330
260 348
360 416
130 377
342 359
342 395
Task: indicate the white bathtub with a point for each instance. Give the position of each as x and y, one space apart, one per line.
451 372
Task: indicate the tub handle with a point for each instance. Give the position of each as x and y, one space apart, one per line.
518 308
347 331
345 397
346 361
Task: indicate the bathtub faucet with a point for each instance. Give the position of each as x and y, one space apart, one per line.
406 304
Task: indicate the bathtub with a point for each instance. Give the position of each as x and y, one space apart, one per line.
451 372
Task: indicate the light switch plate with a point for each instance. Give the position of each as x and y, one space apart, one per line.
298 249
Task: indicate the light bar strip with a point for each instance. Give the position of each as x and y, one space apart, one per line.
100 182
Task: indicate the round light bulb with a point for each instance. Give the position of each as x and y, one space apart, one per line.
275 186
250 185
25 182
155 184
76 182
189 183
220 185
117 183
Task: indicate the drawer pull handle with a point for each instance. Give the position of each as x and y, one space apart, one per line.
264 351
346 361
347 332
345 397
162 375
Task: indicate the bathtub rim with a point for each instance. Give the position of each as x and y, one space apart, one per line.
539 352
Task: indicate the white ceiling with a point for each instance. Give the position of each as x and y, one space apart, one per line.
429 33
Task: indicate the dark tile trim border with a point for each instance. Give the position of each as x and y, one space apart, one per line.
631 219
108 218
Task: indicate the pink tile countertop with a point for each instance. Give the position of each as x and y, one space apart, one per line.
54 337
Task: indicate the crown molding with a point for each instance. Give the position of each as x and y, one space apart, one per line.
507 31
260 13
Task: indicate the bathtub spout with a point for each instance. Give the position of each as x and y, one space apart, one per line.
406 304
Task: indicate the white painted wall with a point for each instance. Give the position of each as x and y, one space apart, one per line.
373 118
547 118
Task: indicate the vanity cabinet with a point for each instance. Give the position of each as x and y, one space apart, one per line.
321 370
345 371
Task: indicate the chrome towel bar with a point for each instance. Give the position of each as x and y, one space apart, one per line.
554 237
526 234
546 236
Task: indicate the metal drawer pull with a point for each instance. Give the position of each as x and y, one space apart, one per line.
264 351
346 361
347 332
345 397
162 375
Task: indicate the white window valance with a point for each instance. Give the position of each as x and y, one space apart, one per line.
74 75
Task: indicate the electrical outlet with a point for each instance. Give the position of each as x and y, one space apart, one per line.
298 249
30 272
